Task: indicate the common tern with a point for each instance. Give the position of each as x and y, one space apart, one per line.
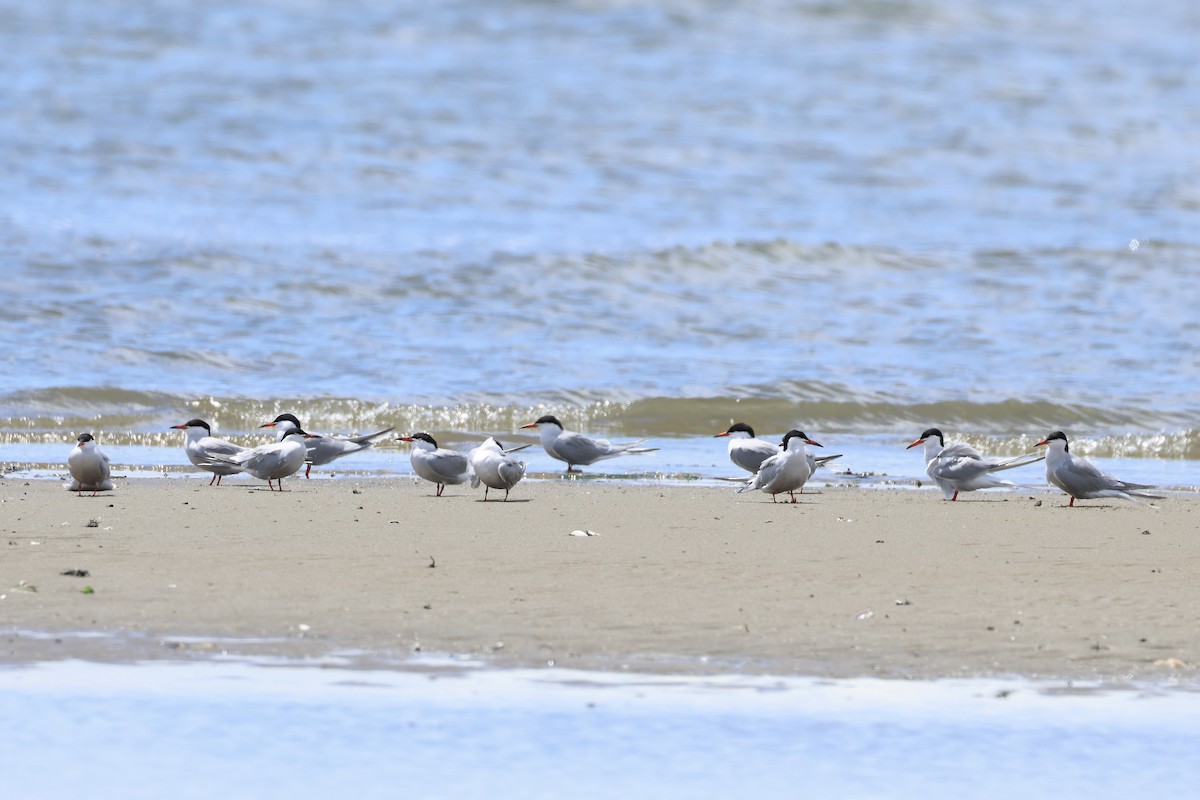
958 467
270 462
748 452
496 467
437 464
1081 479
89 467
201 446
787 470
324 449
577 449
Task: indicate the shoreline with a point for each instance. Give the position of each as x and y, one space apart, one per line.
680 579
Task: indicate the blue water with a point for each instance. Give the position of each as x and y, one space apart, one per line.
858 219
240 730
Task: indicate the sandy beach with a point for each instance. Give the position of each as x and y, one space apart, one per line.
846 582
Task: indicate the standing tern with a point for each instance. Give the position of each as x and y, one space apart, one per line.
201 445
748 452
785 471
89 467
577 449
270 462
958 467
324 449
437 464
496 467
1082 479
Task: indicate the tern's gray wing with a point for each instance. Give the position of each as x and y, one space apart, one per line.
766 473
575 448
959 450
448 465
323 449
958 468
370 438
509 471
220 447
1081 478
749 454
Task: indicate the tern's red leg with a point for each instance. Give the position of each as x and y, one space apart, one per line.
214 479
308 470
952 499
1072 503
440 488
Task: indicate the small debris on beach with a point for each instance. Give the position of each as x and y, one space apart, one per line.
92 523
75 573
865 615
583 533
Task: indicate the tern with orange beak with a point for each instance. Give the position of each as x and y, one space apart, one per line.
1082 479
785 471
577 449
958 467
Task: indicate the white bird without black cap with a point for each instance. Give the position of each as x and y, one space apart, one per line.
958 467
579 450
437 464
749 452
1081 479
89 467
200 446
785 471
324 449
496 467
270 462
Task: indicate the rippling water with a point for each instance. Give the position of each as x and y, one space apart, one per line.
857 218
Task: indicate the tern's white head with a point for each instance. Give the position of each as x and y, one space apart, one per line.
283 423
1056 442
932 436
795 440
547 422
194 428
738 430
421 441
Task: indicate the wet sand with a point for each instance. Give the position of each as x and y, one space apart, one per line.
846 582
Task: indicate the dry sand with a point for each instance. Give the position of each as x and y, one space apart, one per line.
686 579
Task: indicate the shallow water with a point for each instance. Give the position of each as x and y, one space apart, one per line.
858 219
450 730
